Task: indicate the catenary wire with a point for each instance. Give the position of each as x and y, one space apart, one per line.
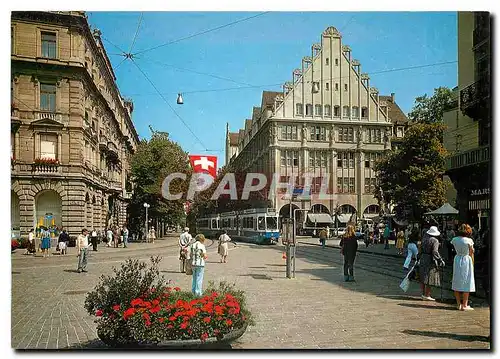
201 33
168 104
136 32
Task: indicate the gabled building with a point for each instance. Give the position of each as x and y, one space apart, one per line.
327 121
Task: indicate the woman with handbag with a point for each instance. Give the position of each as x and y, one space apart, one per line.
430 263
223 248
197 256
463 267
348 248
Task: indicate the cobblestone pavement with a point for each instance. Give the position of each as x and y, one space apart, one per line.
316 309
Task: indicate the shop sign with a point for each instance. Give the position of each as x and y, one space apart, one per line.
480 192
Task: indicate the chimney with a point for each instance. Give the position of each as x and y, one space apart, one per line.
393 97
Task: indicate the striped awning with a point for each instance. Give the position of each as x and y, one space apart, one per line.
479 204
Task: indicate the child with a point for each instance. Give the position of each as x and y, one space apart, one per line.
62 248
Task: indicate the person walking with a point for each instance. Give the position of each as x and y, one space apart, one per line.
125 236
45 235
387 233
109 235
322 237
31 246
185 240
400 242
223 247
197 255
348 248
63 242
93 240
116 236
430 262
82 243
463 267
152 235
412 249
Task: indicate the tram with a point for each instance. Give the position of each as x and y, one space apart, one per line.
257 225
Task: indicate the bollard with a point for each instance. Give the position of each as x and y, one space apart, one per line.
288 262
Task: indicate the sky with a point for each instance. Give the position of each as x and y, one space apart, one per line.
262 52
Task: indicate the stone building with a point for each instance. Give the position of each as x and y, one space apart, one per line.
72 134
328 120
468 120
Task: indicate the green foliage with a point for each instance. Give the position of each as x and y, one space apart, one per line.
430 109
412 177
150 165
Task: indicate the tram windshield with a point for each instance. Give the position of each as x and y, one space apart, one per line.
272 223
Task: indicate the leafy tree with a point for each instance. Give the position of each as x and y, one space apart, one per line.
154 160
412 177
430 109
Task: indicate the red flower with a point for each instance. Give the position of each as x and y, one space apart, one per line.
116 307
161 320
170 326
128 313
206 319
98 313
147 304
229 322
155 302
172 318
177 289
136 302
146 316
204 337
219 310
184 325
155 309
219 318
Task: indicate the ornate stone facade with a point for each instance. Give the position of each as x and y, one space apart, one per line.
71 131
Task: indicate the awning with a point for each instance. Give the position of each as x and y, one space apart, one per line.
319 218
445 209
345 217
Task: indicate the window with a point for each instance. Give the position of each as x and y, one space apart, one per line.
316 185
48 97
318 110
345 87
355 111
336 62
327 86
336 111
318 133
261 224
299 109
324 159
350 135
48 146
364 112
345 185
295 158
309 109
378 136
283 158
345 111
351 185
49 40
288 132
367 184
351 159
328 110
327 61
339 184
336 86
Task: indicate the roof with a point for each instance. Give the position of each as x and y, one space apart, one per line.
233 138
395 113
256 112
248 125
268 98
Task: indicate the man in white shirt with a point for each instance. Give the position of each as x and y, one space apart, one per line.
82 242
197 255
185 240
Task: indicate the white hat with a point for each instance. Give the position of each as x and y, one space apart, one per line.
186 229
433 231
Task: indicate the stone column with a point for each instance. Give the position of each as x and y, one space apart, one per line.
59 147
37 145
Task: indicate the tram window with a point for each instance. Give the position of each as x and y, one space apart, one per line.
271 223
214 223
262 224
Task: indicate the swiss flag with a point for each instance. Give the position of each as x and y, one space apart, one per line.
204 164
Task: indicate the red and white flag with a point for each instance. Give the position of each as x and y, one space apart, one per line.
204 164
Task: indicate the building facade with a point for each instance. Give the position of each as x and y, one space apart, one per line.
328 122
72 134
468 134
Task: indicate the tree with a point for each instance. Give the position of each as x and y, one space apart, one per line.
154 160
430 109
412 177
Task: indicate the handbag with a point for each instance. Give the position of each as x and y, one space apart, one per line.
405 284
189 267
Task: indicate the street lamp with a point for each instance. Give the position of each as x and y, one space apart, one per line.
146 206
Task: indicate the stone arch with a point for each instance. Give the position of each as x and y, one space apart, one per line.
48 208
371 210
285 210
319 208
50 185
346 212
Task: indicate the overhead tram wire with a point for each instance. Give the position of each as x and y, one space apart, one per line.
115 46
168 104
201 33
136 32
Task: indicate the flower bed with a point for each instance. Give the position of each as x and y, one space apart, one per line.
146 312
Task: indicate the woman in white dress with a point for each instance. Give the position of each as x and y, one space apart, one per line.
224 239
463 267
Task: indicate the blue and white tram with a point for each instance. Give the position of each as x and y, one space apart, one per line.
258 225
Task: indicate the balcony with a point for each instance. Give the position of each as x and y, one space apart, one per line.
115 185
41 115
43 168
475 99
468 158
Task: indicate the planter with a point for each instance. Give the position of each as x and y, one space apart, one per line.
179 344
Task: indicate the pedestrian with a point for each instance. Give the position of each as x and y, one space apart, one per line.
185 240
152 235
375 234
412 247
400 242
322 237
31 246
109 234
63 242
387 232
45 235
463 267
125 236
223 247
93 240
116 237
430 262
197 254
348 248
82 243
